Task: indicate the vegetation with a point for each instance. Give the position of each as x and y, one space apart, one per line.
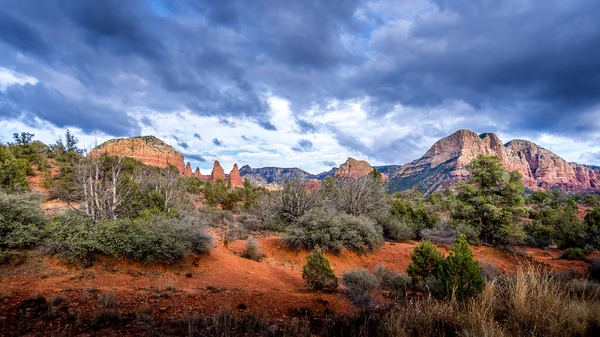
317 272
22 222
359 285
252 250
492 201
573 254
426 260
460 273
332 231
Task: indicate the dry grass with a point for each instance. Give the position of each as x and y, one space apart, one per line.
530 303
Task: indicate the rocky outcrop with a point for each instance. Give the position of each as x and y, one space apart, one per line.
217 172
235 178
353 168
197 173
187 171
273 176
445 163
147 149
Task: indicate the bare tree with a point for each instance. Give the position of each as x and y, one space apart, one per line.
169 186
103 184
362 196
295 200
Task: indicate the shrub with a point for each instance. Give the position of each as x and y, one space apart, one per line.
441 233
317 272
460 272
149 240
398 229
383 275
13 171
399 285
252 250
594 269
21 220
573 254
360 283
332 232
425 261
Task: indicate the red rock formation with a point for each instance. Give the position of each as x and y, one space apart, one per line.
188 170
445 163
197 173
235 178
217 172
353 168
147 149
311 185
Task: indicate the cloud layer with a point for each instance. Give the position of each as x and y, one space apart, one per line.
322 79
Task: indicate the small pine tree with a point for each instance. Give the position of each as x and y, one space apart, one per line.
317 272
425 261
460 273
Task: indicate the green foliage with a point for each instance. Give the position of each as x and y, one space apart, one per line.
317 272
460 273
426 260
592 227
399 285
398 229
410 209
13 171
492 201
22 221
332 231
149 240
215 193
573 254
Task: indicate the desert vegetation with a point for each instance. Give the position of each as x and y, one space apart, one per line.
121 209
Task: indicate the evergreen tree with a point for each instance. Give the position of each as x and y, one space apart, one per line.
460 273
425 261
492 201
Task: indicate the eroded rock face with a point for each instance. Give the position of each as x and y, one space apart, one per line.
445 164
197 173
217 172
187 171
147 149
235 178
353 168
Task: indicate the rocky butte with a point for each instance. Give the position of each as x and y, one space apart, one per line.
353 168
445 163
235 178
217 172
146 149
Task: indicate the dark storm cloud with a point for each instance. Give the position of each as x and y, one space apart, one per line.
29 101
524 66
304 145
217 142
194 157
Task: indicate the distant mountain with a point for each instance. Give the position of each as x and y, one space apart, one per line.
273 175
444 165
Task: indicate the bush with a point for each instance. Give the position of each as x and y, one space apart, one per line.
398 229
425 261
332 232
317 272
460 273
573 254
21 220
360 283
441 233
594 269
13 171
252 250
399 285
383 275
149 240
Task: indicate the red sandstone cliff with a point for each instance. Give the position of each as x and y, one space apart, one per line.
444 164
217 172
353 168
188 170
235 178
147 149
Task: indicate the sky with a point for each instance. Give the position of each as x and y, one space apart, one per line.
303 83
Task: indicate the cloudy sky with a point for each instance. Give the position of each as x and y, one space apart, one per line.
303 83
